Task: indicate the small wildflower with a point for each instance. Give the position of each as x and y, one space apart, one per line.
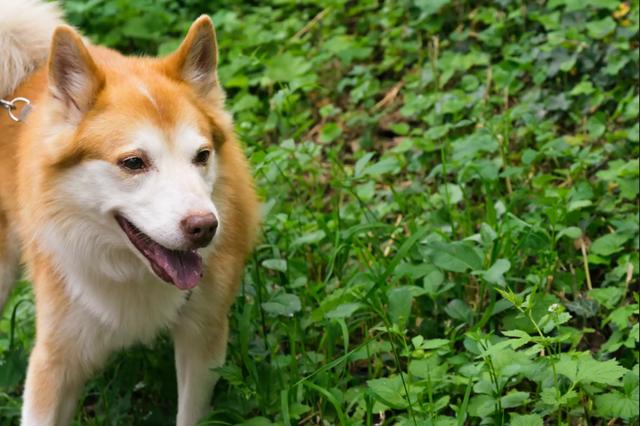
622 11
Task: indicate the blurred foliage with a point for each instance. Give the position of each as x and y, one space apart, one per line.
451 214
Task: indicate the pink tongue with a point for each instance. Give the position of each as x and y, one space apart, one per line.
182 268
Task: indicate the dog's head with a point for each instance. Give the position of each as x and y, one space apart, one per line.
135 147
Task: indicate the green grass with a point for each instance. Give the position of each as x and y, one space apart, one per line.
451 215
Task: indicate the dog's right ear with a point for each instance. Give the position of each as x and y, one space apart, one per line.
74 78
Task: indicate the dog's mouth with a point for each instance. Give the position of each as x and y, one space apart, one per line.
182 268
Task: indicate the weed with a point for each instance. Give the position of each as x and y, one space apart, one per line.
451 215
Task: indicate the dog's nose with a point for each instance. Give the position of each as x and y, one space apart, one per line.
199 229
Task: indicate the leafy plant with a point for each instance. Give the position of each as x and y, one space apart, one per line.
450 214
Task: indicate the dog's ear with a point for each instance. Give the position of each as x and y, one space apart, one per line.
196 59
74 78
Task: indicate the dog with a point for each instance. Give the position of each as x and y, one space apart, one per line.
129 200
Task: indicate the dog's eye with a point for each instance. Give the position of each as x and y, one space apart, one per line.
202 157
134 164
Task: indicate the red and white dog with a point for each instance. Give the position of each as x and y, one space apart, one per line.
129 199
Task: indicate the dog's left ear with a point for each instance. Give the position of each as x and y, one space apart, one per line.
196 59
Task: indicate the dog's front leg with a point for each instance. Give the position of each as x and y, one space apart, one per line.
200 346
53 386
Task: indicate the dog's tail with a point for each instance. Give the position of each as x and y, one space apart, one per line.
26 27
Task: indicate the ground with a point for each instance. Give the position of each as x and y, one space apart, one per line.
450 211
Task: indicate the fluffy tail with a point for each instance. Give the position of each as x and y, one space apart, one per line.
26 27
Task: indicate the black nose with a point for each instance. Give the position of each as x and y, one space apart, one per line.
199 229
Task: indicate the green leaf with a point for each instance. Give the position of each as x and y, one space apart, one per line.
459 310
400 300
602 28
231 373
430 7
389 391
170 46
526 420
574 5
609 244
139 27
617 404
586 308
13 365
415 271
456 256
431 368
330 132
572 232
520 338
275 264
535 239
343 311
620 316
286 67
310 238
579 204
257 421
487 233
432 281
434 343
582 88
452 192
596 126
495 274
400 128
245 103
582 368
284 304
386 165
514 399
607 296
481 406
362 163
551 397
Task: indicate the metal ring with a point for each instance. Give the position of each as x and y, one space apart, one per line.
12 105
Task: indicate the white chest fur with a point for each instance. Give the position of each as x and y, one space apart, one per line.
112 292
